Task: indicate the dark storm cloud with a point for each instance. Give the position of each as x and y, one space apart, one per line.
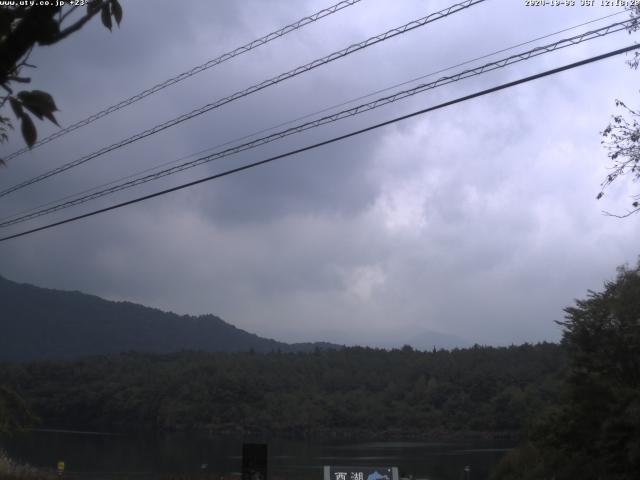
477 220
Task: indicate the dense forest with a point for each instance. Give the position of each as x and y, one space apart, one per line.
399 393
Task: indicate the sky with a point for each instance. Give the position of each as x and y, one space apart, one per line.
475 223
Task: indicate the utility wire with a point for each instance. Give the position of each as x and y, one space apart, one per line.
189 73
304 117
488 67
253 89
331 140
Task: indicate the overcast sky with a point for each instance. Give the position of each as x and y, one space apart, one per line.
477 220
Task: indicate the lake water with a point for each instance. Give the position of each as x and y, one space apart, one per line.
99 456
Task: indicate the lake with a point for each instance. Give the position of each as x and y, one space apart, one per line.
101 456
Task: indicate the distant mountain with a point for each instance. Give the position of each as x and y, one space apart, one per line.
425 340
428 339
38 323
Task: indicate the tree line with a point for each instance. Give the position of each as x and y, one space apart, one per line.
352 390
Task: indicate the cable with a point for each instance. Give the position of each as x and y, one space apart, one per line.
309 115
331 140
190 73
255 88
613 28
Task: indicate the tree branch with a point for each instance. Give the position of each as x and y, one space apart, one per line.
67 13
78 25
628 214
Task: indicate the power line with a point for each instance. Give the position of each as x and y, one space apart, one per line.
253 89
304 117
190 73
309 115
331 140
488 67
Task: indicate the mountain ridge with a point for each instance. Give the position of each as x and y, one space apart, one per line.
44 323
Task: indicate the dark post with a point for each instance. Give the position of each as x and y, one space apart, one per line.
254 461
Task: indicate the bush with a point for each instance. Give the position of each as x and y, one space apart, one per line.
10 470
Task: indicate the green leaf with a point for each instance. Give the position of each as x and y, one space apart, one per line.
39 99
106 16
16 106
39 103
51 118
116 11
28 130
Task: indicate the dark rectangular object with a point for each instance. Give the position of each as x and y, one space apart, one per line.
254 461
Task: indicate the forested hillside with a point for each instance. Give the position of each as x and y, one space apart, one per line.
355 390
39 323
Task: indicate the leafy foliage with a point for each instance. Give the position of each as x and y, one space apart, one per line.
10 470
622 135
593 432
622 139
14 413
22 27
524 463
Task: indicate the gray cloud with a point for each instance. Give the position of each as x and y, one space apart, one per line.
477 220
